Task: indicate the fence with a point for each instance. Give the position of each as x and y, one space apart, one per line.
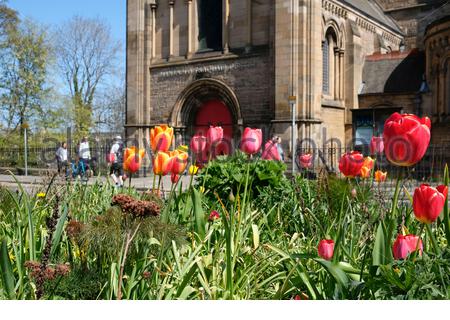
429 169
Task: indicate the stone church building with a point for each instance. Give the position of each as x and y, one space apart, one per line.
346 64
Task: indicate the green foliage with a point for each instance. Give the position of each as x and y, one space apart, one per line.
23 73
227 175
263 246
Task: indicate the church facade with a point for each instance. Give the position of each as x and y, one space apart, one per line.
267 63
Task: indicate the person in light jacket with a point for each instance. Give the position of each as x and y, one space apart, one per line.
61 159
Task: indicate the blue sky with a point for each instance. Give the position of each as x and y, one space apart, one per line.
51 12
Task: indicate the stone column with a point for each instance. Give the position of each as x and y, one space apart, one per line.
190 44
342 75
153 7
135 68
171 4
337 74
248 45
225 24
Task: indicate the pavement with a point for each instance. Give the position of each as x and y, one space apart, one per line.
36 182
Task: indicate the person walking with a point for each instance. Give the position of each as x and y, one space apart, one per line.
277 141
116 160
84 152
61 159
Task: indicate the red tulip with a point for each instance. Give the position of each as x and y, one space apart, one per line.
198 144
214 215
306 160
271 151
326 249
376 145
428 202
351 163
251 140
406 138
405 245
214 136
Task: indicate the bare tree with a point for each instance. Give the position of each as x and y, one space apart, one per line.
87 54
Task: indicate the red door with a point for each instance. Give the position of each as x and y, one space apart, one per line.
215 113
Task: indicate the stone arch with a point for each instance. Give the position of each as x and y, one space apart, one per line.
195 95
339 31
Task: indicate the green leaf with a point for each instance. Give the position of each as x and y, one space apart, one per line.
7 273
337 273
255 236
59 230
379 252
199 215
446 213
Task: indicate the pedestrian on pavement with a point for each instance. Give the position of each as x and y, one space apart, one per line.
61 159
277 141
116 160
84 152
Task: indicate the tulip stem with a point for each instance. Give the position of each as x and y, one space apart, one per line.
433 241
154 182
396 194
206 173
159 185
446 213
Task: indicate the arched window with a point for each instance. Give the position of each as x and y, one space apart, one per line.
209 25
331 66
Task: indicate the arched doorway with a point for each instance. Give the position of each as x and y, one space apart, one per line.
215 113
208 102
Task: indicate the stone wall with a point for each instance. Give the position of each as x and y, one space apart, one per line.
249 76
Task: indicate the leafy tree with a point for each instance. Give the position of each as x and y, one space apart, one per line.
86 56
23 73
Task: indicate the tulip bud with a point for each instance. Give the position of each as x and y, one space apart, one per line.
214 215
231 196
354 193
326 249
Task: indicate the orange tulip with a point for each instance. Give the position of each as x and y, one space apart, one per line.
162 163
161 138
380 176
179 161
132 159
367 167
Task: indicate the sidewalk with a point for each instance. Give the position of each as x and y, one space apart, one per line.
141 184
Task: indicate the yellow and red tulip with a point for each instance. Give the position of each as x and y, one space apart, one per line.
133 159
162 163
161 138
179 161
380 176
